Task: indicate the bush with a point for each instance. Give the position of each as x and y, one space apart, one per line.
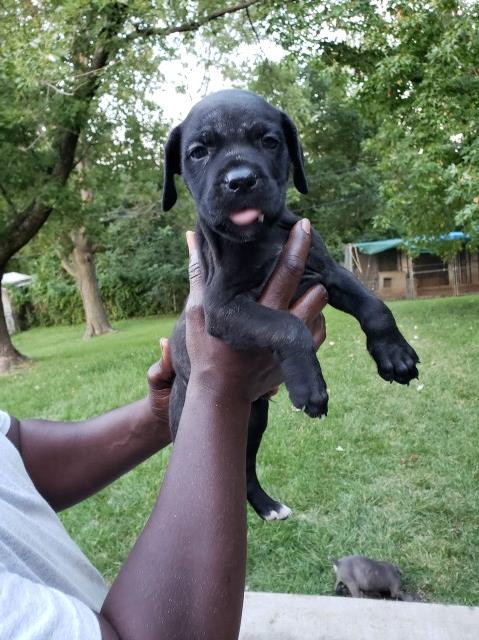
142 269
145 271
52 297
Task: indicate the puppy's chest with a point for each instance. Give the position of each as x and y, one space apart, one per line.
248 273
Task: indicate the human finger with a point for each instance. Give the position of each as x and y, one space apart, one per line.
160 375
272 392
290 268
318 330
194 271
311 303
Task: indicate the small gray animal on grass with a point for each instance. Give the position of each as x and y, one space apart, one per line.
363 576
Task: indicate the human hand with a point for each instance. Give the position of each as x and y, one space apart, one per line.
249 374
160 377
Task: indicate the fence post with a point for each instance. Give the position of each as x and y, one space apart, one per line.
412 282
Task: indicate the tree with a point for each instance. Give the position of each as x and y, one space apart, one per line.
56 62
342 194
424 93
414 79
119 170
41 140
81 266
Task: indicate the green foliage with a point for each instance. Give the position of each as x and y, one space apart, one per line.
342 185
145 268
76 86
47 55
52 297
411 70
426 90
142 270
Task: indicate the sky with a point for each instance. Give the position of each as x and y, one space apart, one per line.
198 81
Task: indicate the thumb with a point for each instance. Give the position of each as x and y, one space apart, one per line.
160 375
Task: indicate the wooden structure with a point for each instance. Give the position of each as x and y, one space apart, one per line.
386 267
12 279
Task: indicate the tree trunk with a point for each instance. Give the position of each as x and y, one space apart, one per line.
9 356
81 266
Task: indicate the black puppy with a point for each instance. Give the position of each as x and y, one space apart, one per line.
234 151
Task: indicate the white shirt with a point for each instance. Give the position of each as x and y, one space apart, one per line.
49 590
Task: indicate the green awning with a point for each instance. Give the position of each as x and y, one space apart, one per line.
378 246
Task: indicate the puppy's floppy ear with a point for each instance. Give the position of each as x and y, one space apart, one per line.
172 167
295 153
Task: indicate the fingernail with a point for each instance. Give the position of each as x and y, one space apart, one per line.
163 343
306 226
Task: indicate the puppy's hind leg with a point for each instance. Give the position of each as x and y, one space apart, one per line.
265 507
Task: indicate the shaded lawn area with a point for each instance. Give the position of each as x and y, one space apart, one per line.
393 472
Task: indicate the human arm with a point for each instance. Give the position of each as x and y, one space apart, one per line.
69 461
184 577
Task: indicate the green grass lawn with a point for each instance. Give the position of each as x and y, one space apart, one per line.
393 472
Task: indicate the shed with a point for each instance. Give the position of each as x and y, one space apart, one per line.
12 279
387 268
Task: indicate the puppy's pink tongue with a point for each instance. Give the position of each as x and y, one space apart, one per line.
246 216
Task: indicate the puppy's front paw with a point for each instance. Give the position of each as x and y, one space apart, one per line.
305 384
395 358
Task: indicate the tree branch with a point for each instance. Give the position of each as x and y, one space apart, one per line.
190 26
56 89
68 266
29 221
253 29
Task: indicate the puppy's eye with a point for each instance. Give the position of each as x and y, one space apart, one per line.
200 151
269 142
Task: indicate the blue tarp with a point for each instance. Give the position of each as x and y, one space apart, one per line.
378 246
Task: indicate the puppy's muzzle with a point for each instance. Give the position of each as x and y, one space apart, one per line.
240 179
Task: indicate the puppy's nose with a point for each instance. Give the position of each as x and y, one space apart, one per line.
240 178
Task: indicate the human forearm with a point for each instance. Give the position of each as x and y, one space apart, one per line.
70 461
185 576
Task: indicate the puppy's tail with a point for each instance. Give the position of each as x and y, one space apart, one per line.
334 562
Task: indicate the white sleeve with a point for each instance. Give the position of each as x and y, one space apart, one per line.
4 422
31 611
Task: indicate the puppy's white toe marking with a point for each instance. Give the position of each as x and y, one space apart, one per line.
284 512
271 515
280 513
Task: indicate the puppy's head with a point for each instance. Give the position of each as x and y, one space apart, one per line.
234 151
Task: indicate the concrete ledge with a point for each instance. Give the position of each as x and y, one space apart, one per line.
278 616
